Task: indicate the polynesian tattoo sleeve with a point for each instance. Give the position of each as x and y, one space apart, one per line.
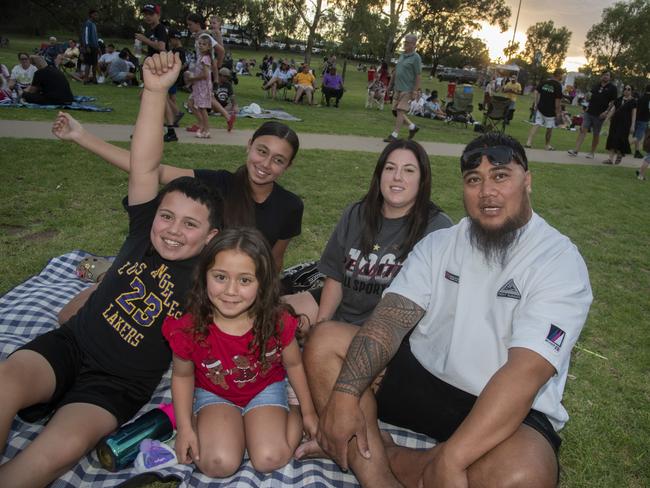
377 342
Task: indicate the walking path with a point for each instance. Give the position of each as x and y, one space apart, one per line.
111 132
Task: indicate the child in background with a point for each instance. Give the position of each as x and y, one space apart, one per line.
232 352
225 97
201 81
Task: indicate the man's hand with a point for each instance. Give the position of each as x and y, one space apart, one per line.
340 421
441 472
66 127
160 71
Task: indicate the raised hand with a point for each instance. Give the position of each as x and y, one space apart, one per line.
160 71
66 127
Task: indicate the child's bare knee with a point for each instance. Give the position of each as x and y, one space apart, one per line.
270 458
219 465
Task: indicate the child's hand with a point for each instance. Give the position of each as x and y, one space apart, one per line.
186 446
310 424
160 71
66 127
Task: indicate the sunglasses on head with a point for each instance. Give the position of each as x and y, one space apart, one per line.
496 155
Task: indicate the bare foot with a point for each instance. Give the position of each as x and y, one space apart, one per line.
309 450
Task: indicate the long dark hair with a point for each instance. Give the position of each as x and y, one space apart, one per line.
239 206
267 308
421 212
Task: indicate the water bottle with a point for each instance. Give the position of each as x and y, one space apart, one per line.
137 47
118 450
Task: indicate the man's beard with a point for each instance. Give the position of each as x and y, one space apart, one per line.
496 243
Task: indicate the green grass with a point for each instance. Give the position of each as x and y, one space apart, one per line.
351 118
58 198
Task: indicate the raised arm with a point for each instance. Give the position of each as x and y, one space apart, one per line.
159 71
67 128
370 351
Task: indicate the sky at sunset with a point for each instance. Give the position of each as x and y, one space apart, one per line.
577 15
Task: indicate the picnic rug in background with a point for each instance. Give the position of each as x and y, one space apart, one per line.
31 309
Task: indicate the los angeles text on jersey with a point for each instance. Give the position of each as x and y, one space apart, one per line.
141 307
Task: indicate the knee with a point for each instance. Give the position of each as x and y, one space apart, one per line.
270 458
219 465
320 345
529 476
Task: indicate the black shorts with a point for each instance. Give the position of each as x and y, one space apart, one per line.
431 406
90 56
80 380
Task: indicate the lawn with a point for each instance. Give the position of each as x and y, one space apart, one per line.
351 118
58 198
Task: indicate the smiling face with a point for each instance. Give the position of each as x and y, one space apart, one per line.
181 227
496 196
268 158
232 285
399 184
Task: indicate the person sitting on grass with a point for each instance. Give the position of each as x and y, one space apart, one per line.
281 77
22 74
432 108
477 331
49 85
305 84
118 71
97 371
70 56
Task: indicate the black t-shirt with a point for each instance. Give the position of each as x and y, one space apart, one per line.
223 92
549 91
601 96
53 84
158 33
183 56
120 326
278 217
643 108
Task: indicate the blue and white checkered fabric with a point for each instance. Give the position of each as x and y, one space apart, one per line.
30 310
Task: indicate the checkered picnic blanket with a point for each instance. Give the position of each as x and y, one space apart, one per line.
30 310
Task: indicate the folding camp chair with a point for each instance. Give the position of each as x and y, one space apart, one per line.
495 114
459 110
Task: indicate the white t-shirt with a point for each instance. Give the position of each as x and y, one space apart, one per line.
107 58
23 76
475 311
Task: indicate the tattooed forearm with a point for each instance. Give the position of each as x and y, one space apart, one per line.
377 342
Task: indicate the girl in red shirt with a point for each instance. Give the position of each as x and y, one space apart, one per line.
233 351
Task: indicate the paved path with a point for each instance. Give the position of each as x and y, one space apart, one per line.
111 132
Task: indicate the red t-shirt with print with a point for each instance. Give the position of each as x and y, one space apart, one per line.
223 363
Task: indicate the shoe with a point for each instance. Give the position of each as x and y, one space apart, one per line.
193 128
589 155
618 159
170 136
413 131
231 121
336 105
550 148
390 138
572 153
527 146
638 155
638 176
178 118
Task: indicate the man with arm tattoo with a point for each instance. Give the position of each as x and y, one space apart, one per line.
476 330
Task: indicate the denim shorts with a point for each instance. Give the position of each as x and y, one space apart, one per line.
274 395
639 129
593 122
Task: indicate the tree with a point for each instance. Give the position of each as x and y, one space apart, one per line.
473 52
620 40
511 50
546 47
310 12
447 24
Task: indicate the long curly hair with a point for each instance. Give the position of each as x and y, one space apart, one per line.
267 308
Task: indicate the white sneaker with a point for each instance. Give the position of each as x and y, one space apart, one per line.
101 79
589 155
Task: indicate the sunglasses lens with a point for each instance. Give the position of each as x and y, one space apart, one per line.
496 155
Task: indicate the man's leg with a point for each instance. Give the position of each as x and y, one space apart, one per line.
594 142
531 134
547 138
525 459
579 140
73 431
323 356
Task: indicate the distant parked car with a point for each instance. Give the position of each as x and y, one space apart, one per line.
458 74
